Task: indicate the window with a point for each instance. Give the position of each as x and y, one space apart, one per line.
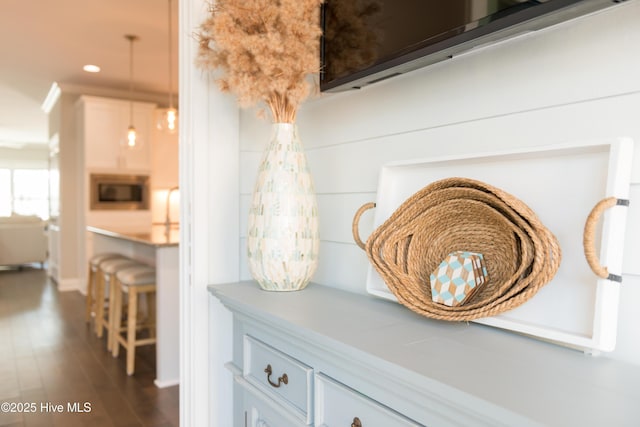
24 192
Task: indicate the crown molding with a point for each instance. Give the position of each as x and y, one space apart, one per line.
161 99
51 98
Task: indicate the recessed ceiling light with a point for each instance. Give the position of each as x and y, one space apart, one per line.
91 68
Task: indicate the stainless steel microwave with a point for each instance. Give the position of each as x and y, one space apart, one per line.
119 192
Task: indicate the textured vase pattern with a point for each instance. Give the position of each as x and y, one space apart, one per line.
282 236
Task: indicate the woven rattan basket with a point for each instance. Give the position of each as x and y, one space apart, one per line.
461 214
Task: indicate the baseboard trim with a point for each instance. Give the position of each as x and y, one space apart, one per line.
167 383
66 285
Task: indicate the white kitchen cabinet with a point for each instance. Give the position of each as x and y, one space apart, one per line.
356 360
102 128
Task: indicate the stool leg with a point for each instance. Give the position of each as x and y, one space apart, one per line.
111 315
117 321
131 329
99 301
151 319
90 299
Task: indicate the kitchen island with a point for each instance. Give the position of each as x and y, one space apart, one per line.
156 247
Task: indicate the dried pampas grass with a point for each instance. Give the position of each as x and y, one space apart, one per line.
266 49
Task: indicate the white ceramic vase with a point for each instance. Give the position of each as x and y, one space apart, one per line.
282 237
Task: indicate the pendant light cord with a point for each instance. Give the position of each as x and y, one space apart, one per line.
170 57
131 82
131 39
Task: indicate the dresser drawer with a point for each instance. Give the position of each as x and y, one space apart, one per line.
337 405
287 380
257 411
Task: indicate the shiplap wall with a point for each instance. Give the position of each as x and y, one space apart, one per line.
576 81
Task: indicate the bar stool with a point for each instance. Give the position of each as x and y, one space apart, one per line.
109 268
134 282
92 278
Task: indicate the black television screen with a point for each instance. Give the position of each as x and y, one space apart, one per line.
365 41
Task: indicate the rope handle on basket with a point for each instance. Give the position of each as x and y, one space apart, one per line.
356 221
588 241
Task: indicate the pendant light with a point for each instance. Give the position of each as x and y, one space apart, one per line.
168 121
132 134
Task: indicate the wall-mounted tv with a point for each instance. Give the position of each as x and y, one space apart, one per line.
366 41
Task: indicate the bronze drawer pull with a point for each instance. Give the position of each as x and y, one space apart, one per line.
356 422
283 379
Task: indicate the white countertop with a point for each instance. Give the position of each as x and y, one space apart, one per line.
154 235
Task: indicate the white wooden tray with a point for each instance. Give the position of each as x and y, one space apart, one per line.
561 184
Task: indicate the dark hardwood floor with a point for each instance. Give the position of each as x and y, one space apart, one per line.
52 364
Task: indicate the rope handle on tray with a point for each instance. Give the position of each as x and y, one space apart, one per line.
356 221
589 237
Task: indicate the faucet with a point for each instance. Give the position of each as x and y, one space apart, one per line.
167 220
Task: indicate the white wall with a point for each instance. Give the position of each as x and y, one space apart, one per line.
164 173
209 200
572 82
69 272
33 156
